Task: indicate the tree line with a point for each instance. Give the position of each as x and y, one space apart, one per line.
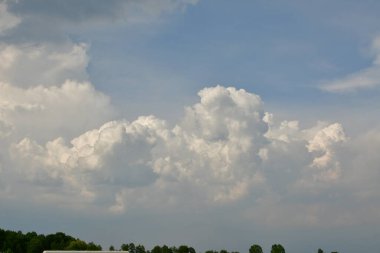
31 242
18 242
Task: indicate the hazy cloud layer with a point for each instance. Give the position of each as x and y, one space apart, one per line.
7 19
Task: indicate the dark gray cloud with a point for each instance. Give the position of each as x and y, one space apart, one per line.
96 10
58 20
70 10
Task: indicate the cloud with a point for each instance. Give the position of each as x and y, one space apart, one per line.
211 148
364 79
118 153
225 152
28 65
96 11
45 112
7 19
44 92
57 21
5 128
226 149
361 164
323 143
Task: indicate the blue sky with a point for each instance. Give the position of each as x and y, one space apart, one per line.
281 51
216 124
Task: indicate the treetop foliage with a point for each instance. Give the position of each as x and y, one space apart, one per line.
18 242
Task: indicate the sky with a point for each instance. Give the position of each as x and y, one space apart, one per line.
212 123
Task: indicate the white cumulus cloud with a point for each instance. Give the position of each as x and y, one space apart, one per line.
225 149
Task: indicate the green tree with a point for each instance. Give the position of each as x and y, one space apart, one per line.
132 248
58 241
2 239
94 247
191 250
77 245
156 249
124 247
166 249
112 248
31 242
36 244
174 249
183 249
15 242
320 251
255 248
140 249
277 248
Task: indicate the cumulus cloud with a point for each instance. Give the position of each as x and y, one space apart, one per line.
44 92
364 79
118 153
42 64
323 143
225 149
186 153
44 112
